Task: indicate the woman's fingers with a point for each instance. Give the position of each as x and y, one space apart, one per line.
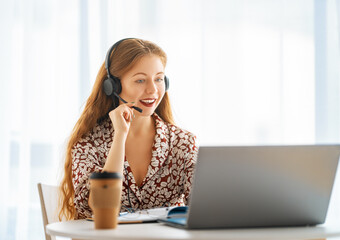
122 116
129 111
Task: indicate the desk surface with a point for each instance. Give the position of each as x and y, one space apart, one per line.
82 229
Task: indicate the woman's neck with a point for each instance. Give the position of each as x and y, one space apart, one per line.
141 125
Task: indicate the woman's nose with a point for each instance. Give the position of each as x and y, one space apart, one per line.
151 87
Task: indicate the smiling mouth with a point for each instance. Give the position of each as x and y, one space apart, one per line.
148 102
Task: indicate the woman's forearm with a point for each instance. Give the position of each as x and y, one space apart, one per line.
115 158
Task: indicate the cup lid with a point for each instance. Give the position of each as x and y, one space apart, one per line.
105 175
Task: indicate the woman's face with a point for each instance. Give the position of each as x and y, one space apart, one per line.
144 84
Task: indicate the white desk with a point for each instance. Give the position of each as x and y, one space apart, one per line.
82 229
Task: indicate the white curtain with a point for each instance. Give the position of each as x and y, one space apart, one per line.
241 72
40 101
331 108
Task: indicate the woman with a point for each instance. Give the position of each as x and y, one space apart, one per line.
155 156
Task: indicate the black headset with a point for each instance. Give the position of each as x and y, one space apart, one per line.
112 83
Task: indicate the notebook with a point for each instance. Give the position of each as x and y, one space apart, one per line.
149 215
152 215
260 186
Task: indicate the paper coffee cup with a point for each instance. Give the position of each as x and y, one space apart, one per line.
105 198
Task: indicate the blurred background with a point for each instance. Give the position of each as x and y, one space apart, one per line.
242 72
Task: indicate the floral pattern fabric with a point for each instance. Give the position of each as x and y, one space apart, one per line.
169 177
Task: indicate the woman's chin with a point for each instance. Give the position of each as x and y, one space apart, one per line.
146 112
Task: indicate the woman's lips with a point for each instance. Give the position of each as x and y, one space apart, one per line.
148 102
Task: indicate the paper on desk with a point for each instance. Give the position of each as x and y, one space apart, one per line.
142 216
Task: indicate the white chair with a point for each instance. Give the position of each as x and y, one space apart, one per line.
48 195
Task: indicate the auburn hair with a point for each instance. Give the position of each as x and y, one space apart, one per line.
97 106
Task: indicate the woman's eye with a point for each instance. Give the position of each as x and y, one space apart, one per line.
159 79
140 81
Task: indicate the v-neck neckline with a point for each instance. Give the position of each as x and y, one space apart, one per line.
160 152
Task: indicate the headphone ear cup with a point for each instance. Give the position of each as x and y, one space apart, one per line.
166 80
112 85
108 86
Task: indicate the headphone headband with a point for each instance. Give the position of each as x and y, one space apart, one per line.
108 55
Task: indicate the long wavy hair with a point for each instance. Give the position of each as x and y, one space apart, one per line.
97 106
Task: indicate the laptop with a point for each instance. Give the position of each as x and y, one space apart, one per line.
260 186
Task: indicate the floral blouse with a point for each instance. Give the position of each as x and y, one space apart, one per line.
168 179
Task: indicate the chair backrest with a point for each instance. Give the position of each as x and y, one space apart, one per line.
48 195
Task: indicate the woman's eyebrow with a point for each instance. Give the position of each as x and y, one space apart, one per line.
145 73
139 73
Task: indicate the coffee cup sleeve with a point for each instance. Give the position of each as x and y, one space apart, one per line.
105 197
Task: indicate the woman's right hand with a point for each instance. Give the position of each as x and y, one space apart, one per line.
121 118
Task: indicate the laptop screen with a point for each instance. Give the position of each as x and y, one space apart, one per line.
262 186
